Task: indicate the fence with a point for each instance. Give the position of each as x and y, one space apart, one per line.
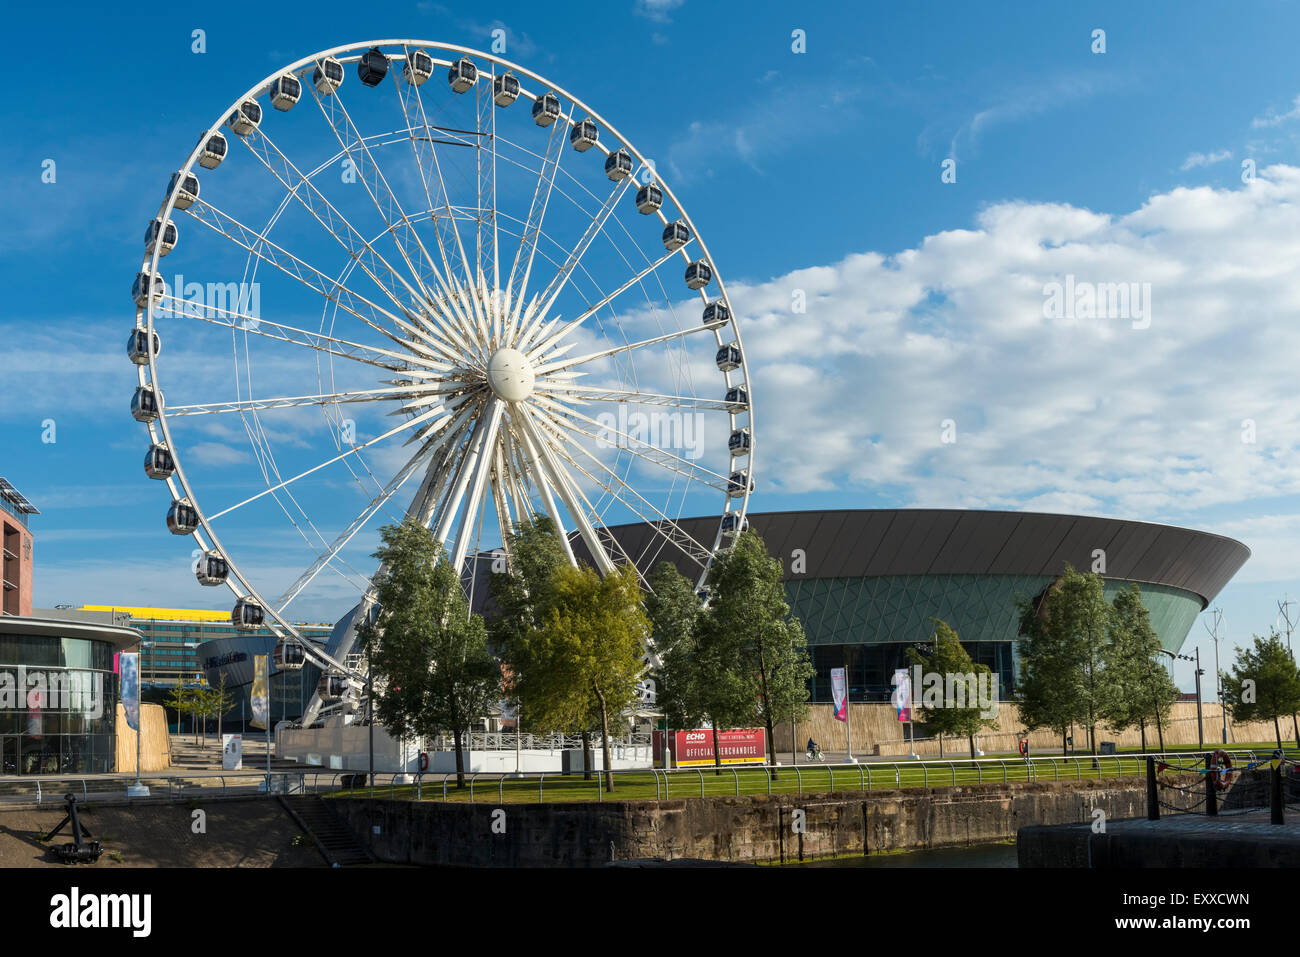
636 784
1204 782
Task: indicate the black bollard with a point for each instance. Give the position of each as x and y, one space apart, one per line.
1211 786
1153 800
1275 799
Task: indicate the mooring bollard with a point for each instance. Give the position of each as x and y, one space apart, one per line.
1211 786
1153 801
1275 798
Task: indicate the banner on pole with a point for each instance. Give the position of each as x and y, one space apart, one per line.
259 698
903 694
840 694
130 693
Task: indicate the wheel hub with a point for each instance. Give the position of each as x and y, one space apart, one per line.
510 375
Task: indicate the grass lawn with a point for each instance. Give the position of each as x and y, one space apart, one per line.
649 786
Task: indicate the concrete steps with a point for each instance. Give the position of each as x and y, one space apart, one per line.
336 841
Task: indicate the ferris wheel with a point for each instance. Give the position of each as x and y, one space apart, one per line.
415 281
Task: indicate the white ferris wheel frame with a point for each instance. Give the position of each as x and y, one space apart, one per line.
538 451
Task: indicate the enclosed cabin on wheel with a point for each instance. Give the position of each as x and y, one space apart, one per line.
676 235
584 135
160 234
144 404
716 313
289 655
327 76
211 568
699 274
333 688
505 89
137 346
372 67
618 165
462 75
285 92
738 443
648 199
728 357
418 67
739 482
546 109
214 150
737 399
147 286
247 615
182 517
186 188
158 462
245 118
733 524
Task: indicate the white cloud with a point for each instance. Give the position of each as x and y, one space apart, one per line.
1273 118
656 10
1195 160
1086 416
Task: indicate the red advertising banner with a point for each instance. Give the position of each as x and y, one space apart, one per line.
695 748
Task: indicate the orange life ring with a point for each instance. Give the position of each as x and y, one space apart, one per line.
1024 747
424 760
1223 769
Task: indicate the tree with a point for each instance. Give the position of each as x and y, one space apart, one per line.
179 699
1137 688
747 601
1264 684
585 658
1061 655
948 657
430 665
674 612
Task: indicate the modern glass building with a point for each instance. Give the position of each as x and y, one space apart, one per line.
58 695
173 650
866 583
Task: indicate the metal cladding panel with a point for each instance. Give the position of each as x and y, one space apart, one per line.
1128 546
1030 545
971 544
861 538
898 553
1163 558
1078 543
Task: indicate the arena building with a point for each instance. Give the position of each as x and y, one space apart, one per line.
866 583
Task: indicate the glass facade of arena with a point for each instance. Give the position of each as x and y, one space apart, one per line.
866 624
58 702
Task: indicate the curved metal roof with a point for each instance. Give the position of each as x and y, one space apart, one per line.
856 543
119 636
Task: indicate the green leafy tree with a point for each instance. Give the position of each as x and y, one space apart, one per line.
180 700
1061 655
747 601
1138 689
948 657
431 669
675 613
1264 684
585 658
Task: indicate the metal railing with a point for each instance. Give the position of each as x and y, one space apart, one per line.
633 783
1202 782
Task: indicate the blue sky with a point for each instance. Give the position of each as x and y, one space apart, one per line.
816 173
